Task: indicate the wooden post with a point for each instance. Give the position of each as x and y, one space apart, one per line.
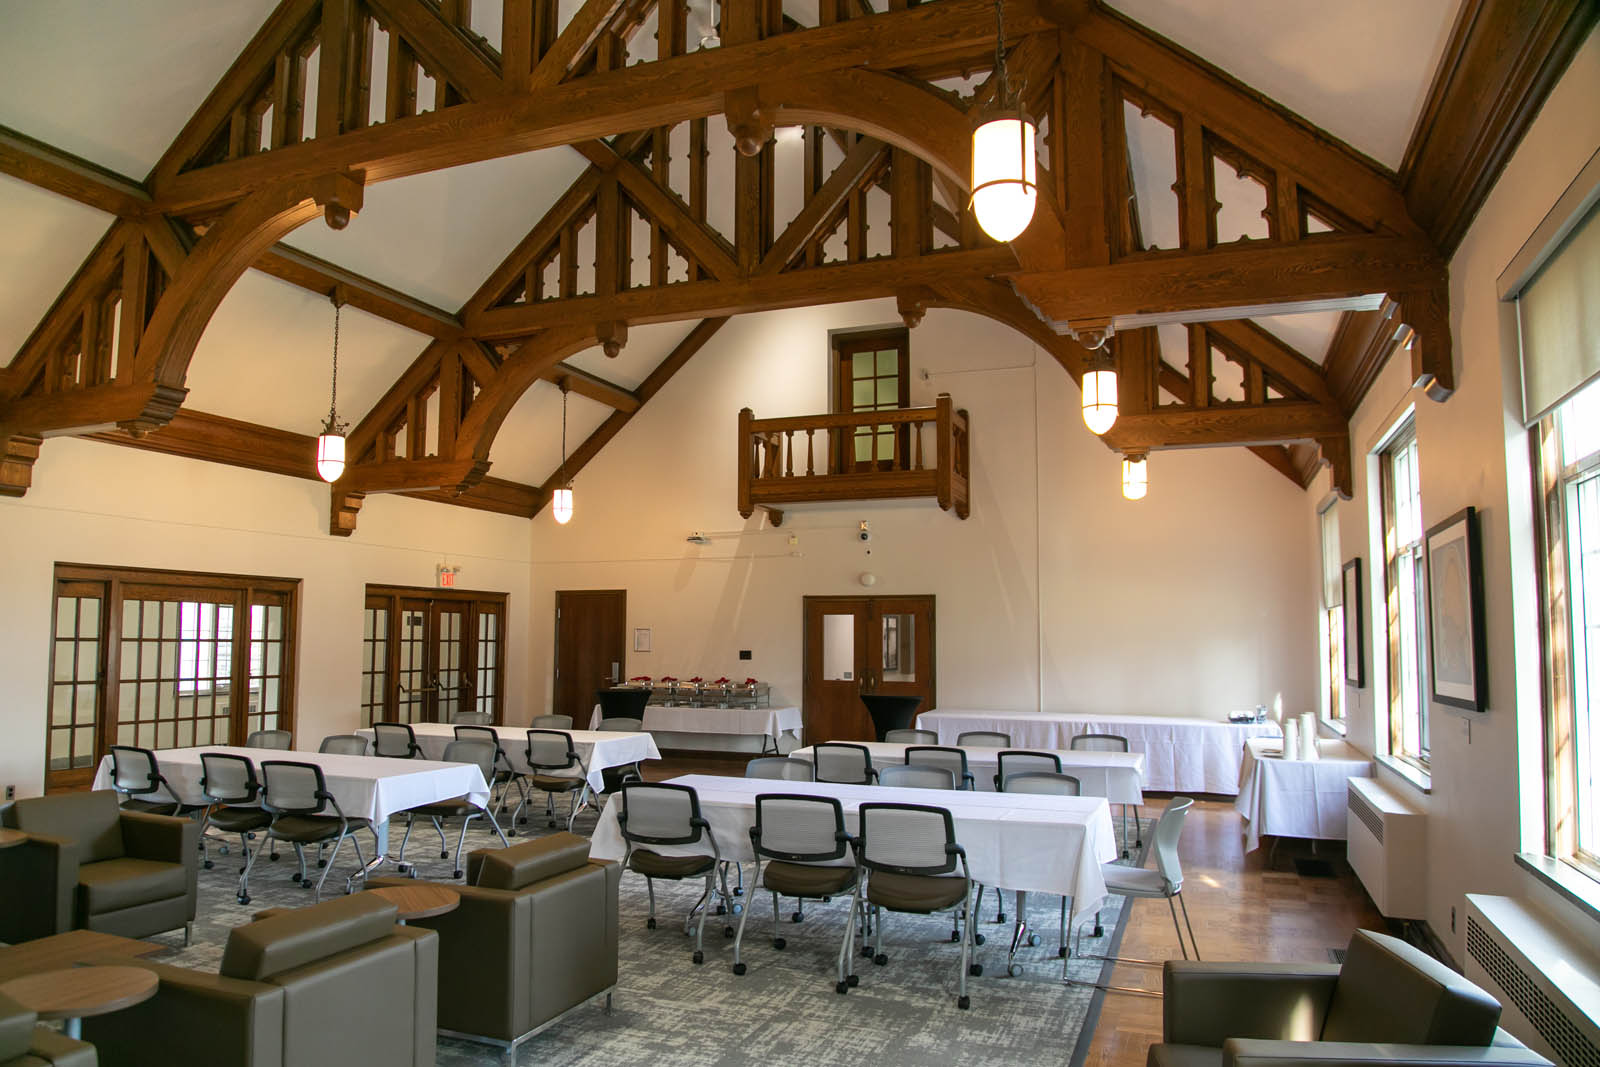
946 450
745 508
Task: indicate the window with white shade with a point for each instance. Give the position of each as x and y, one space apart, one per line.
1405 596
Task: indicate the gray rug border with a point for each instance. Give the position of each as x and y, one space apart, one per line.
1091 1015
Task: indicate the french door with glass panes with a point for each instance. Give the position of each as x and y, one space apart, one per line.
429 655
854 645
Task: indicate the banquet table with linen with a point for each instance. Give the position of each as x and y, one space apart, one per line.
1117 776
1182 755
1296 798
1026 842
599 749
754 722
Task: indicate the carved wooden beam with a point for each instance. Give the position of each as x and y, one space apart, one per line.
595 388
454 476
1225 424
445 49
1361 345
77 179
319 276
139 408
707 246
17 455
863 159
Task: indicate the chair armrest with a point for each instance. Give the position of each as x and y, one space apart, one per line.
194 1017
41 888
164 838
58 1050
1248 1052
1207 1003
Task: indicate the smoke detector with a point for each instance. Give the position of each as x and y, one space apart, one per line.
698 538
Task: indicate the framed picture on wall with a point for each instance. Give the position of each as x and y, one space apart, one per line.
1355 626
1459 664
641 639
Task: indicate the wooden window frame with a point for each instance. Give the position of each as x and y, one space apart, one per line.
1400 438
844 346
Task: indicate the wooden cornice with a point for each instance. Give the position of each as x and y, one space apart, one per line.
319 276
75 178
1361 345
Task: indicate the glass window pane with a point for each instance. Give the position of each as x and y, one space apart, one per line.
61 705
838 648
88 660
861 365
862 393
889 362
66 616
899 645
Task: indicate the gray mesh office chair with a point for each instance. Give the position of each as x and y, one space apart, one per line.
233 805
548 752
1018 761
502 773
395 740
344 745
471 750
984 739
614 776
136 775
916 776
802 841
281 740
1052 783
910 855
843 763
951 759
912 737
297 797
660 813
472 718
781 768
1112 743
622 724
552 722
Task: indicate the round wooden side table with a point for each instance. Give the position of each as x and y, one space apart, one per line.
11 838
420 901
73 993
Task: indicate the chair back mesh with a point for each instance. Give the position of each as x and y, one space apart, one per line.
1046 782
291 788
133 770
842 763
228 779
1168 830
278 739
475 718
393 740
659 813
551 750
951 759
344 745
487 735
552 722
799 829
473 750
1019 762
622 724
984 739
907 839
912 737
916 776
1099 743
780 767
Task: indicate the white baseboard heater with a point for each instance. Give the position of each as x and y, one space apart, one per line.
1387 846
1547 981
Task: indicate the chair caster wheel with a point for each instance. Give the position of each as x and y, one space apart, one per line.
244 900
295 878
457 874
1124 853
978 939
841 988
1061 952
852 981
779 943
797 917
649 924
273 856
738 890
551 824
1033 940
1015 970
209 864
1000 918
976 970
866 950
322 863
699 957
955 935
727 931
442 855
1099 931
880 959
739 968
722 909
511 831
964 1003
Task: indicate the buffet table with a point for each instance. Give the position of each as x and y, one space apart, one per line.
766 723
1182 754
1296 798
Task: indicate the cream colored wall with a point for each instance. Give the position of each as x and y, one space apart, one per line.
1055 593
100 504
1474 451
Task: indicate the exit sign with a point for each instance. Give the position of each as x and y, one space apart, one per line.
447 576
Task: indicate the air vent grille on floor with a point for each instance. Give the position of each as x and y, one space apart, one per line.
1369 818
1570 1045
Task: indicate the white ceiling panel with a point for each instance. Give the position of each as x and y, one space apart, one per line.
115 82
438 236
47 238
528 447
1309 333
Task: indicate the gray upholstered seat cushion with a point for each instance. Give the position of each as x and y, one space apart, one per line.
807 880
112 885
655 865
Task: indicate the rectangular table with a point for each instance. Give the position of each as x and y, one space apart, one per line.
754 722
1182 754
599 749
1296 798
1117 776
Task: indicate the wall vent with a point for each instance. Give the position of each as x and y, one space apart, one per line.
1387 847
1504 940
1362 810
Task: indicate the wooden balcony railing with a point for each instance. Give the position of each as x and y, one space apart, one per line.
869 455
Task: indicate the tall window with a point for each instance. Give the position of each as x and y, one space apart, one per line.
1569 465
872 372
1332 618
1405 596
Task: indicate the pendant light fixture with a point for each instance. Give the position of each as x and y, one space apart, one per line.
1135 475
330 444
561 499
1004 167
1099 383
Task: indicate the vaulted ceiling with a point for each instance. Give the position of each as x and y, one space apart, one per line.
1258 198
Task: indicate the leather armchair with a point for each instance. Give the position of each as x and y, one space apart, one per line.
24 1044
334 984
535 937
89 864
1387 1003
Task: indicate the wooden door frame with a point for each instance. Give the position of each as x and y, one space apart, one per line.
394 595
873 605
555 637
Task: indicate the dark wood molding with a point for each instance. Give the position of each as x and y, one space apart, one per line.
1275 423
1361 345
594 387
73 177
319 276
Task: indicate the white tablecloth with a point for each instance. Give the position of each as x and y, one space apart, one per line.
1020 841
598 749
1183 755
771 722
1296 798
1117 776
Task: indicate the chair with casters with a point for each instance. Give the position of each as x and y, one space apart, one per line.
459 751
916 776
615 776
502 774
842 763
344 745
909 856
662 813
135 775
233 796
951 759
472 718
802 841
1051 783
1018 761
780 767
622 724
1387 1003
395 740
297 797
912 737
551 722
1111 743
550 752
282 740
984 739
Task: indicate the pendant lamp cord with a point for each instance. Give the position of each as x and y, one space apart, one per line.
1000 54
333 395
563 434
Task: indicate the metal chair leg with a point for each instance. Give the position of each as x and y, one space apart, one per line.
316 895
1182 904
1177 929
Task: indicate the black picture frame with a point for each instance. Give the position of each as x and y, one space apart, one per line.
1458 662
1355 625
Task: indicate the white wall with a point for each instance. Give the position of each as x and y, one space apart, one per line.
1055 593
1474 451
102 504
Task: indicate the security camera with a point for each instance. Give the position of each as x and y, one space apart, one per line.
864 532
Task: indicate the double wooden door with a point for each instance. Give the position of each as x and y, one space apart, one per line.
431 654
856 645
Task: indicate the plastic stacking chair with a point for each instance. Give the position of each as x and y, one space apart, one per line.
916 776
1111 743
661 813
281 740
297 797
551 722
502 773
394 740
344 745
912 737
909 855
984 739
1052 783
135 774
802 841
1017 761
844 763
951 759
780 767
553 751
460 751
233 799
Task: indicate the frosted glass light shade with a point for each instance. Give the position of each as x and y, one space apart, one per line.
1100 400
330 456
561 505
1135 478
1003 175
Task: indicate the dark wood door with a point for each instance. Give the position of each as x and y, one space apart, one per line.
590 648
864 644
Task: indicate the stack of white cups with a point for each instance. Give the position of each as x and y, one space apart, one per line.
1291 739
1308 735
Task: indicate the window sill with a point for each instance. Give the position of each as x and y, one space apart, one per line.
1409 773
1335 725
1571 883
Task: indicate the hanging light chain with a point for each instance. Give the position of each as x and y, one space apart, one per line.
564 386
333 395
1000 93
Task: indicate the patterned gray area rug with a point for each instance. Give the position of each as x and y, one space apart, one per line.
669 1012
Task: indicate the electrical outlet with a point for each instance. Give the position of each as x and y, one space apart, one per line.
11 792
744 653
